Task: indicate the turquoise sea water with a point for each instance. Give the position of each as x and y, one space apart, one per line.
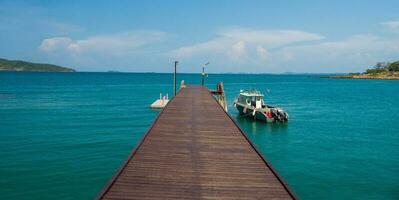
63 135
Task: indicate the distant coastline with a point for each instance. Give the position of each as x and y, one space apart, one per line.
23 66
385 76
383 71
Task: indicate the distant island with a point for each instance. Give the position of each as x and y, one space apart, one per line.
382 70
22 66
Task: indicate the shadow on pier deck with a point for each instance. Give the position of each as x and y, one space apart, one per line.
194 150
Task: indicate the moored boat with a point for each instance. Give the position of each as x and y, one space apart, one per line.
250 103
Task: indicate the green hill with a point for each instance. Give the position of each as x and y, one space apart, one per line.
17 65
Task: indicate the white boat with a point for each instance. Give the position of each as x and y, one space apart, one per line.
250 103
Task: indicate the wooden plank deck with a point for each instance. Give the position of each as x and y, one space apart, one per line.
194 150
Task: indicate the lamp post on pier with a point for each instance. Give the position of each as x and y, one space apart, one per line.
174 79
203 73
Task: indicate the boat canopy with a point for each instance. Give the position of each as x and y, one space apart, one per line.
251 93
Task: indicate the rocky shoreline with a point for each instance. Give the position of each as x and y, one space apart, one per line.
380 76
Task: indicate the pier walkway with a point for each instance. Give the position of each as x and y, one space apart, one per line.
194 150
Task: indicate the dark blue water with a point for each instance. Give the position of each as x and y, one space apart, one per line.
63 135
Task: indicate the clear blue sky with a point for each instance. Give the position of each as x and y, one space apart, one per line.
234 36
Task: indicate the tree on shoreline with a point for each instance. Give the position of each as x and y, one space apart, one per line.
394 67
381 67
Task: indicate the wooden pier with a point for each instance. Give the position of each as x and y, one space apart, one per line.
194 150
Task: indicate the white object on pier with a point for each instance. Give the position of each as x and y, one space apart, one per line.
161 102
182 85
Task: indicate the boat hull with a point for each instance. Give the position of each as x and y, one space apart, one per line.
249 112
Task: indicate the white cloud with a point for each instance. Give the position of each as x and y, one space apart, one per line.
352 54
270 38
237 50
392 25
234 50
55 44
237 42
262 53
113 44
215 45
253 50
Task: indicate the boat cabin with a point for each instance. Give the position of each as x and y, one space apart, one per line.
252 98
